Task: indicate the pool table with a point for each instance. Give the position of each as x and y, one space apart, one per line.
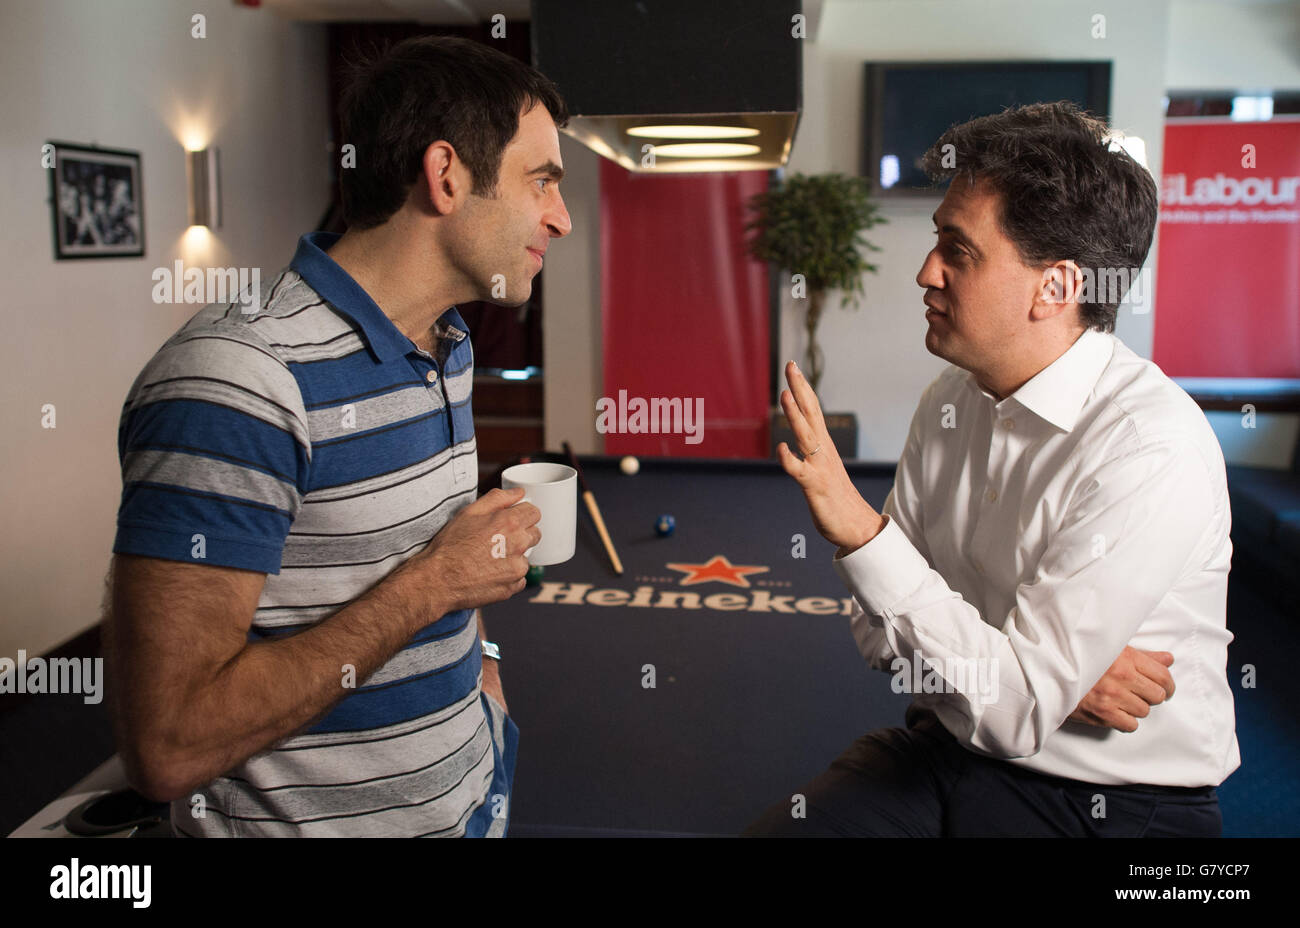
708 681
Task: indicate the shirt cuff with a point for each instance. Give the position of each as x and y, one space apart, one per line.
884 571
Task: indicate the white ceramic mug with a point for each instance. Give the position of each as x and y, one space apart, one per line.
552 488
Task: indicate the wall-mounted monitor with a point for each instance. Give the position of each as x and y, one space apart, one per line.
909 104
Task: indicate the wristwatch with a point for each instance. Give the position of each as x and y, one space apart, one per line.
491 649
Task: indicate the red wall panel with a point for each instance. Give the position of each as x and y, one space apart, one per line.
685 309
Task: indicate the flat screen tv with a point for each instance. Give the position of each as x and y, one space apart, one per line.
910 104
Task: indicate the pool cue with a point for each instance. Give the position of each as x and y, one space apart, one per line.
592 508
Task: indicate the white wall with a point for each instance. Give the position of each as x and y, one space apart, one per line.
877 364
126 74
571 333
876 360
1247 45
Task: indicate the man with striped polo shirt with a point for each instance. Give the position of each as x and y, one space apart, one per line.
294 629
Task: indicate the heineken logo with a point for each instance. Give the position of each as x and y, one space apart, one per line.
717 569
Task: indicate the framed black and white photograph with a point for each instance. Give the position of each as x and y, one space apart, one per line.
97 202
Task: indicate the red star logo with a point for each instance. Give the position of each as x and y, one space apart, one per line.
719 569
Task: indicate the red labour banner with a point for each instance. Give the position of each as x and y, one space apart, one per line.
1228 270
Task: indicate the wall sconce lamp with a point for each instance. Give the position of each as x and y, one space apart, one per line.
203 169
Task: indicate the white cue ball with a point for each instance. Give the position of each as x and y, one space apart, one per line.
629 465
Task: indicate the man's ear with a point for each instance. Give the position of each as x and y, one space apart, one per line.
445 175
1059 288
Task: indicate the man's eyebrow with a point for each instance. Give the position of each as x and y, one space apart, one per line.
956 231
550 169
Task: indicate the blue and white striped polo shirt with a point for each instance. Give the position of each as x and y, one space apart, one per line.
314 442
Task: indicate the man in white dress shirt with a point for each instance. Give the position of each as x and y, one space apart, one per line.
1056 540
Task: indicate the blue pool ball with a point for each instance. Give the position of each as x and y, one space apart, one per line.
664 525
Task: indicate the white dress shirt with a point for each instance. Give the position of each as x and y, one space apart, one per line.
1029 540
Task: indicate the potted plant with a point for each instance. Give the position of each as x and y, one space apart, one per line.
811 226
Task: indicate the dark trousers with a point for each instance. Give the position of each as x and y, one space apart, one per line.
919 782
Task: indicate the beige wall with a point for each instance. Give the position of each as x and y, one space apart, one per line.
125 74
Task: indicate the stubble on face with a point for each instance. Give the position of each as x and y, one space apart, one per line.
497 232
496 262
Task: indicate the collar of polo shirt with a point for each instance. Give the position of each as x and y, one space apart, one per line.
384 340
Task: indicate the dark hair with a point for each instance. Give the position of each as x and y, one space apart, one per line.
422 90
1065 194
